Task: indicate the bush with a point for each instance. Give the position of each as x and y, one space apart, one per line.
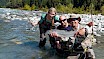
33 7
70 8
102 10
27 7
61 8
44 9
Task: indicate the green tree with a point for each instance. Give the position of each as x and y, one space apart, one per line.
61 8
32 7
44 2
102 9
70 8
27 7
91 8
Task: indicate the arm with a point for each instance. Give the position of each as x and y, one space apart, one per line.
33 23
54 34
38 22
80 32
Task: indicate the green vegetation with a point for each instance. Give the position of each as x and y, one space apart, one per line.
63 6
102 10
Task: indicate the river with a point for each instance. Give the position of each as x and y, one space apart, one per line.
19 41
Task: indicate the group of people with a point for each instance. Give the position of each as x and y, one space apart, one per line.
47 22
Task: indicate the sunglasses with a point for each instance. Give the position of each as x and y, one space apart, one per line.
63 20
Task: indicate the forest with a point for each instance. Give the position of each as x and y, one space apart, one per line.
62 6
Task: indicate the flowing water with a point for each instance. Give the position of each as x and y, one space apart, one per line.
19 41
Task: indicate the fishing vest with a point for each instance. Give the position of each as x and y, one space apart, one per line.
78 40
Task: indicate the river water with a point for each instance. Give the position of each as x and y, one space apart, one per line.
19 41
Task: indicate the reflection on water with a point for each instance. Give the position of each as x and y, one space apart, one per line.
18 41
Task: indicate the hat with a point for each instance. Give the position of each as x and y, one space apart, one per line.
72 16
73 19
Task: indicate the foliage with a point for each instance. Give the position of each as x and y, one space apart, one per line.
27 7
45 9
60 8
69 8
64 6
33 7
102 10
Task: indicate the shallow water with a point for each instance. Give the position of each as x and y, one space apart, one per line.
19 40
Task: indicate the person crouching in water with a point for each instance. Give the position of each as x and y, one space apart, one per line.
64 26
46 23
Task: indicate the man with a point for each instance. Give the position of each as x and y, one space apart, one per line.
83 33
46 23
64 26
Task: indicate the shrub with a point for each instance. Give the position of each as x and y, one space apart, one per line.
102 10
44 9
33 7
27 7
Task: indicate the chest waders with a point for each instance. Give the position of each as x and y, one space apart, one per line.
43 27
72 49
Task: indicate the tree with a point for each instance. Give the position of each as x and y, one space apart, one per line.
27 7
91 8
102 9
44 2
31 2
32 7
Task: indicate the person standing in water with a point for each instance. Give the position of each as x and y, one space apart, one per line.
46 23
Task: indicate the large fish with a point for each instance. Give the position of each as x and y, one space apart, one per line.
63 34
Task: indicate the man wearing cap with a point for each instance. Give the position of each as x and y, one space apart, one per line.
83 32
